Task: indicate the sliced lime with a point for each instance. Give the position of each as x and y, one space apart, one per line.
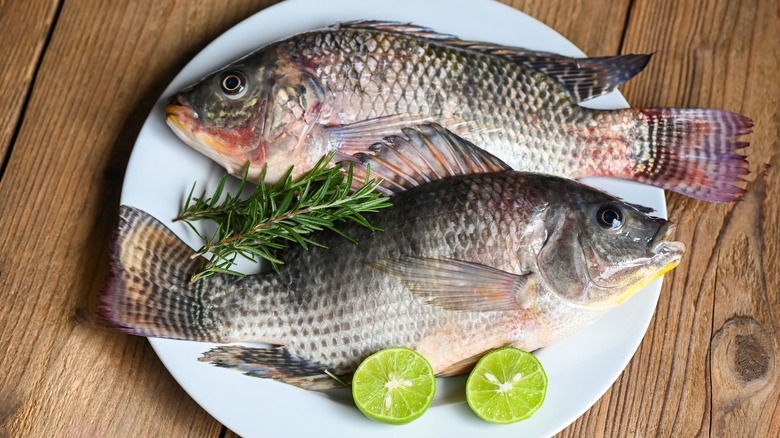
394 385
506 385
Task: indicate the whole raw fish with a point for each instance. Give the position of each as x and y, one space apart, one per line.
348 86
465 264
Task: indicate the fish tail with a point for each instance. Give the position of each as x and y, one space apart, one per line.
691 151
149 292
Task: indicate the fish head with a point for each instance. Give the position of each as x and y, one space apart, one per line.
256 111
601 250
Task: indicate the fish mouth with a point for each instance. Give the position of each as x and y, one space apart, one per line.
180 116
667 252
662 256
183 121
660 243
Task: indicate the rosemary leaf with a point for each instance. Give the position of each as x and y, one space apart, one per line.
276 214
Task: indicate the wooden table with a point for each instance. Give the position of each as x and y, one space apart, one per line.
79 78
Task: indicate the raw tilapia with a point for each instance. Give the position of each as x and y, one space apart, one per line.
348 86
466 263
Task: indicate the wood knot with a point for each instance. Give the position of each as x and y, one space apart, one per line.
80 316
743 371
742 359
10 406
751 360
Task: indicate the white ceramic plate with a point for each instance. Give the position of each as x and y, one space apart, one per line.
162 170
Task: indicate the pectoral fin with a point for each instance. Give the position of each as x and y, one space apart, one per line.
460 285
273 363
357 137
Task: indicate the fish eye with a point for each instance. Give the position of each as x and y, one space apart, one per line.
610 217
233 84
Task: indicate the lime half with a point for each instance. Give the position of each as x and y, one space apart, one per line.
394 385
506 385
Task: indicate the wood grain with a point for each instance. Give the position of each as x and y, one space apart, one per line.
24 27
708 365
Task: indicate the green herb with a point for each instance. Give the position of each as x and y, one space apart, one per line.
336 378
274 215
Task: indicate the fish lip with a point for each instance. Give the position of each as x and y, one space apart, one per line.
664 232
180 110
660 243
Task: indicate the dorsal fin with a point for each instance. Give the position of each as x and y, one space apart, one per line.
583 78
586 78
396 27
422 154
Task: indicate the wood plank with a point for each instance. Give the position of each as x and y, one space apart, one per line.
24 26
64 375
709 363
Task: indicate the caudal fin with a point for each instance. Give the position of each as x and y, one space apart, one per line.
149 292
691 151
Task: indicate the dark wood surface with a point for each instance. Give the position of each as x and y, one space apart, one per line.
79 78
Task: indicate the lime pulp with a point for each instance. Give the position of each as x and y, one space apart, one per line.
394 385
507 385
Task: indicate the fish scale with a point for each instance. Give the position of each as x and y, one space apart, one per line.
399 312
456 85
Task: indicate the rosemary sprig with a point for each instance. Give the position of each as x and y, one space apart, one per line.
274 215
336 378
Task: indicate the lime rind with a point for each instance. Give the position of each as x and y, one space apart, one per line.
394 385
507 385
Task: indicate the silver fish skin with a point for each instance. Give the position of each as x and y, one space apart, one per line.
348 86
465 264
